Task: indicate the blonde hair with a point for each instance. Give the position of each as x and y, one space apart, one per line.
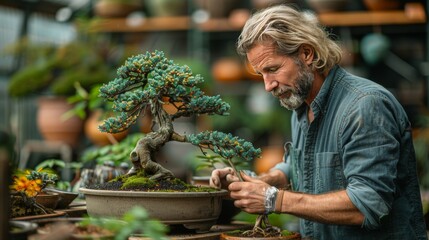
288 29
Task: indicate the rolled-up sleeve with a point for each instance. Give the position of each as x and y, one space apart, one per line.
371 151
284 167
369 203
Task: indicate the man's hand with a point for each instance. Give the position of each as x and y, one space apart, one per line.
221 178
249 195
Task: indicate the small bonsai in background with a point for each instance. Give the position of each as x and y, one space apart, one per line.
147 82
24 190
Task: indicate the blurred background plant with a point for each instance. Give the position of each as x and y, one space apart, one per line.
26 186
135 222
56 166
53 70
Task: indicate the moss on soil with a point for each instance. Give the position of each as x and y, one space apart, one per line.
141 182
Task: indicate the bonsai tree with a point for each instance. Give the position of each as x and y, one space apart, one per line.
147 82
150 81
24 190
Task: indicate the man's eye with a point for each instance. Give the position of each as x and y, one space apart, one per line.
272 69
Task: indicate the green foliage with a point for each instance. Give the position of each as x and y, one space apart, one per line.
148 81
207 161
151 78
226 145
46 177
85 101
135 221
54 166
32 79
54 69
118 153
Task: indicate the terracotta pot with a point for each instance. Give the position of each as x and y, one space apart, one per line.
165 8
194 210
217 9
322 6
269 158
238 17
96 136
380 5
259 4
227 70
51 124
48 200
115 9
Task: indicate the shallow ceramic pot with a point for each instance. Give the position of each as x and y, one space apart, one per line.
194 210
66 197
48 200
67 228
228 209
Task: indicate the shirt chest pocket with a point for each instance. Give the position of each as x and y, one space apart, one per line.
328 173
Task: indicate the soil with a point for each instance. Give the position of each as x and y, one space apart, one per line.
20 209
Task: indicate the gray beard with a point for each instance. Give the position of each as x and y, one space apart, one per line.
297 95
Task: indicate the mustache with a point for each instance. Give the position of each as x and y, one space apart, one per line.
279 91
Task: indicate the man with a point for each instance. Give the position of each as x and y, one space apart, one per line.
351 163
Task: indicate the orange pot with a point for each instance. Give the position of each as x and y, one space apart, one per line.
227 70
270 156
51 124
380 5
96 136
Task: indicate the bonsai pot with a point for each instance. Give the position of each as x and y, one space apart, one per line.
194 210
69 229
66 197
48 199
228 209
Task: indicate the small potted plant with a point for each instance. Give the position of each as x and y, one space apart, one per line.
27 196
148 82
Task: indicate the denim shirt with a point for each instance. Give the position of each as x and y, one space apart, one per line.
360 141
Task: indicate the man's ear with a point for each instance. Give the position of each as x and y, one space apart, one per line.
306 53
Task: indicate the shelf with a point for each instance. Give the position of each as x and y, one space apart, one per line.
413 13
154 24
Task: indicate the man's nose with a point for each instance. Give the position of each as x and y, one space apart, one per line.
270 83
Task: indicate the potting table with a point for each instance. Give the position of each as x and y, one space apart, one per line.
213 234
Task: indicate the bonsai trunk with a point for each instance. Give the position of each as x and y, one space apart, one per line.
143 155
